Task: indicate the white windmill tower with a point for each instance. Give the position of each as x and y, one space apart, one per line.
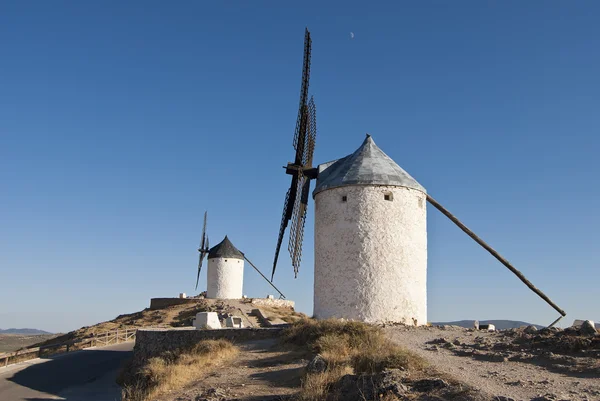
370 228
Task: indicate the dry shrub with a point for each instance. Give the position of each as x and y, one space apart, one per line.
174 370
377 353
349 347
308 331
317 386
336 349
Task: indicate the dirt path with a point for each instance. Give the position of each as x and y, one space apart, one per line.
518 380
261 372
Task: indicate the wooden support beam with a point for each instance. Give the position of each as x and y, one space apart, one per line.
494 254
263 276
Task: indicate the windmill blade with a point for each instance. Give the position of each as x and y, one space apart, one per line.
202 255
288 205
298 221
299 134
309 148
203 244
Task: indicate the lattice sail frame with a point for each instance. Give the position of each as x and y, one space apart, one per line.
302 189
296 199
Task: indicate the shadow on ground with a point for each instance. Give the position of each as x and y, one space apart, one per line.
68 376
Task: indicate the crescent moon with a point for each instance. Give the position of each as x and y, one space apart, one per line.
351 35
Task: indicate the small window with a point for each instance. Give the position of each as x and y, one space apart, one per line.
388 196
344 198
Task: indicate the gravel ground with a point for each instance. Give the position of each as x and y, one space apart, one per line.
489 362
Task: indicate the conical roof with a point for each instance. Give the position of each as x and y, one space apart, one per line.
225 249
368 165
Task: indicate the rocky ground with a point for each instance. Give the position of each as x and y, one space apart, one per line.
518 364
511 365
263 371
267 371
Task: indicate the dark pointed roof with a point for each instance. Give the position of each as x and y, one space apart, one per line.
368 165
225 249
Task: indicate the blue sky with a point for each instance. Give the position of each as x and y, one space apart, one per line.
122 122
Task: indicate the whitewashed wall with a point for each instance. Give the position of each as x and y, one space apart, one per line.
371 254
225 278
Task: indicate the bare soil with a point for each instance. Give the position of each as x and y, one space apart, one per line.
509 365
262 371
543 366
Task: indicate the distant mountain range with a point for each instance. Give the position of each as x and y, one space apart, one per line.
29 332
500 324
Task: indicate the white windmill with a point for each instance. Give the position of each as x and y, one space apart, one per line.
225 275
370 228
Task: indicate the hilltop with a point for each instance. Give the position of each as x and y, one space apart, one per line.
177 316
29 332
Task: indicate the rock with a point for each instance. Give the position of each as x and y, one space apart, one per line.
587 328
449 346
503 398
425 385
440 340
530 329
317 365
390 381
550 397
371 387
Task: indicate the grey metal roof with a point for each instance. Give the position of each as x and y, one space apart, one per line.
225 249
368 165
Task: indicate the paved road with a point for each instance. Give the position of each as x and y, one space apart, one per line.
87 375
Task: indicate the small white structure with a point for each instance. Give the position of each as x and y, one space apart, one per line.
370 240
234 321
182 295
225 271
578 322
490 327
207 320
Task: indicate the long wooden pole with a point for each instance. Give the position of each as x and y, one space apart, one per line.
263 276
494 254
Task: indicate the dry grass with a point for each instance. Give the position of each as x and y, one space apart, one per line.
288 315
317 386
175 370
349 348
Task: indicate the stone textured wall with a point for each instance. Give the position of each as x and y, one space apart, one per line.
152 342
275 303
371 254
225 278
160 303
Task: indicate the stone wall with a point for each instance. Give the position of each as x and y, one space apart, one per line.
275 303
160 303
152 342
